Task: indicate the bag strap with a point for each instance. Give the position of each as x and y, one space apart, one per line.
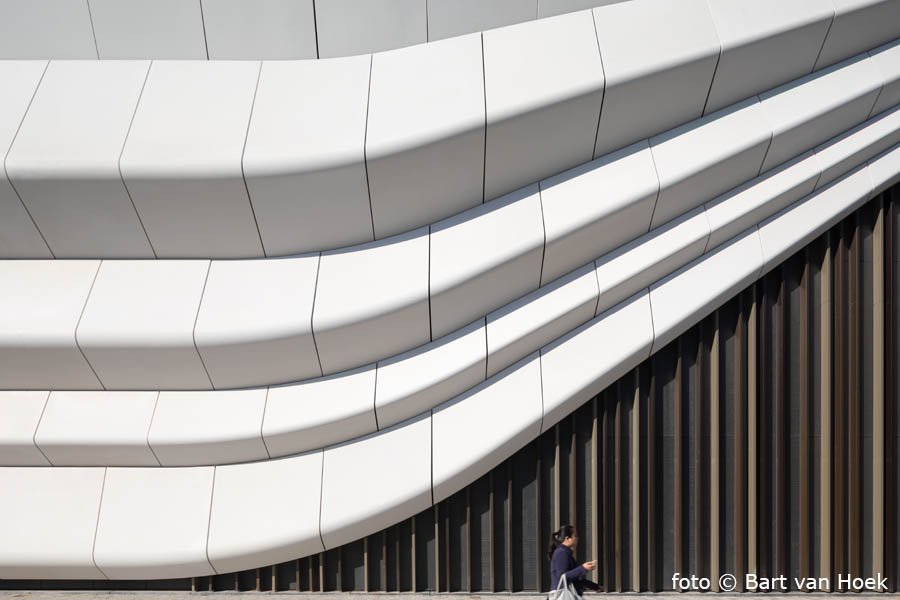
562 582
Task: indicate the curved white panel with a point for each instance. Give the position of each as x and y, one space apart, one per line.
376 291
884 170
449 18
692 292
410 383
351 27
148 28
309 415
499 241
208 428
887 61
528 99
475 431
267 29
764 44
137 328
254 326
182 160
540 317
677 65
746 205
20 413
794 227
582 363
485 248
48 517
634 266
807 112
90 428
706 157
374 481
840 154
265 513
52 28
859 25
543 91
425 133
19 238
304 160
65 160
596 207
622 272
571 369
153 522
52 294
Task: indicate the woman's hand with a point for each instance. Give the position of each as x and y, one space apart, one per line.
589 566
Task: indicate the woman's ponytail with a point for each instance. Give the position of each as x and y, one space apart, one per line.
557 537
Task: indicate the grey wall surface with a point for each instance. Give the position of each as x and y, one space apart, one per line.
249 29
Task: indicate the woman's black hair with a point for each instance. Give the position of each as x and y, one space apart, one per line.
557 537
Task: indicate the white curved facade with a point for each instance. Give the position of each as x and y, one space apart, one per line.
381 272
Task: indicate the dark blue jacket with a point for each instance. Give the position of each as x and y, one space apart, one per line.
563 562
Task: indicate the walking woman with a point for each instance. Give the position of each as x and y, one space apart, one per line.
562 561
